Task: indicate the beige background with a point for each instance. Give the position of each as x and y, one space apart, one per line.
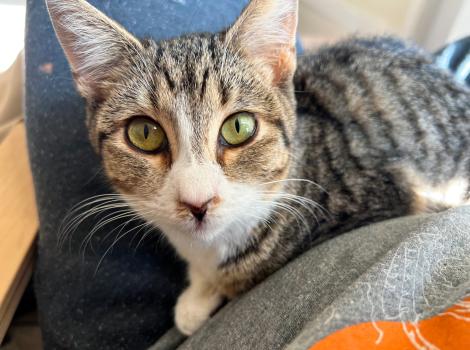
430 23
11 102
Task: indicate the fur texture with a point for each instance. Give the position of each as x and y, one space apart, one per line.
367 130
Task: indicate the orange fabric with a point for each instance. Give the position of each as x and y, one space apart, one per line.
447 331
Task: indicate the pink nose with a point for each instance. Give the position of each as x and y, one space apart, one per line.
198 210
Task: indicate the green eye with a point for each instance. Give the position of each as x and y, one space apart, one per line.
146 134
238 128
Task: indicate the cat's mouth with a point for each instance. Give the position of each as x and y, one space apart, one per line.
200 225
197 214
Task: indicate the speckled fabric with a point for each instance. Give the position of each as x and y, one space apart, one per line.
127 303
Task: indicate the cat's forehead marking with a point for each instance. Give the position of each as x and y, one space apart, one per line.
187 63
190 87
204 83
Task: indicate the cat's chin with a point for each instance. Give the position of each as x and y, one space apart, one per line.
200 230
205 231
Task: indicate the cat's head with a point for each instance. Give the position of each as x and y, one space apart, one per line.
194 132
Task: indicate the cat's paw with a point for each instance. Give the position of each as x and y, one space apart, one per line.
193 309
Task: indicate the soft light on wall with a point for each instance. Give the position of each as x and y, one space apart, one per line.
12 16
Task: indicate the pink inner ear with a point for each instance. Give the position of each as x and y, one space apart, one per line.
286 62
285 66
266 33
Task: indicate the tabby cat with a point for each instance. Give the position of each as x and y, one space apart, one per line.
243 157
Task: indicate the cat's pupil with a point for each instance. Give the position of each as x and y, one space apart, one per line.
237 126
146 131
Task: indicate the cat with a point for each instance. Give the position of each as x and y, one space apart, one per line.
244 155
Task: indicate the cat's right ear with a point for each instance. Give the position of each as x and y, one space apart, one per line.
265 33
94 44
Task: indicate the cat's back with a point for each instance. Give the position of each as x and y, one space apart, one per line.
379 104
370 67
361 55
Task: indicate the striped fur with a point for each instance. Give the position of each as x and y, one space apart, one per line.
367 130
382 131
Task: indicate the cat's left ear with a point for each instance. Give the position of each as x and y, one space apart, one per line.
266 33
95 45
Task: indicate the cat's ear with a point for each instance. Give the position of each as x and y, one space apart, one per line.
266 32
94 44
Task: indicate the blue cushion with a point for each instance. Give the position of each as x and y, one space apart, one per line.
456 58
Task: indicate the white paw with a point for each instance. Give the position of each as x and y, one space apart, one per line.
193 309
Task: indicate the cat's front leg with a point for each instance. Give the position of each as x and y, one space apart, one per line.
196 304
